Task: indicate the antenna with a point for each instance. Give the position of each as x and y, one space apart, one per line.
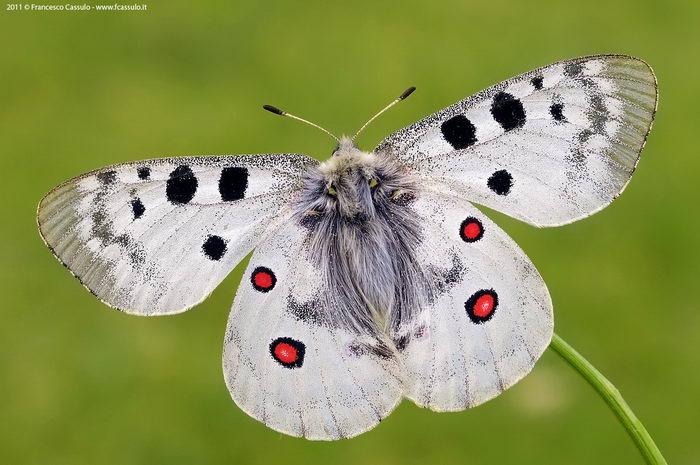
403 96
277 111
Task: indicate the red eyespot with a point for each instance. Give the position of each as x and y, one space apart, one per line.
481 305
263 279
288 352
471 230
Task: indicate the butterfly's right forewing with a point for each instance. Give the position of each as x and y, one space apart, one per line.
155 237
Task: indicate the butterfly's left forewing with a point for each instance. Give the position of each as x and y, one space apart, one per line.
288 364
549 147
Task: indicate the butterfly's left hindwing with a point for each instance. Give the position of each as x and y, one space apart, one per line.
156 237
490 318
287 363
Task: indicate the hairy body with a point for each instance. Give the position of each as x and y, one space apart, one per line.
362 236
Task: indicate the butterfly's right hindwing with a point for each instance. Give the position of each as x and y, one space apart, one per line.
156 237
288 365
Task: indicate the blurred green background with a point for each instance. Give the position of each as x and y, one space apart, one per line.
83 384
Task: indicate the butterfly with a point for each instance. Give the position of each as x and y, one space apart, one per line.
373 277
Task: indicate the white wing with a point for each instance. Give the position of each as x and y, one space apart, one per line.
548 147
156 237
286 366
490 320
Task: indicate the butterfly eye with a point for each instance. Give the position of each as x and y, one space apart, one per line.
373 183
332 191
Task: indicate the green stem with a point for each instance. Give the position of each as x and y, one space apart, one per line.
613 398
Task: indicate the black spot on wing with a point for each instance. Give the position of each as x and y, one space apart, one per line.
459 132
214 247
308 312
584 135
233 183
446 278
103 229
138 208
537 82
107 177
556 110
181 185
508 111
144 173
598 114
573 69
500 182
578 157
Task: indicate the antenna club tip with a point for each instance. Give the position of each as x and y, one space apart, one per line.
274 110
407 92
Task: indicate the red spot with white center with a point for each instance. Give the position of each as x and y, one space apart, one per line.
471 230
481 305
263 279
288 352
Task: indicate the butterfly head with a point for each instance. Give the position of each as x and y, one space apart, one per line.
354 187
